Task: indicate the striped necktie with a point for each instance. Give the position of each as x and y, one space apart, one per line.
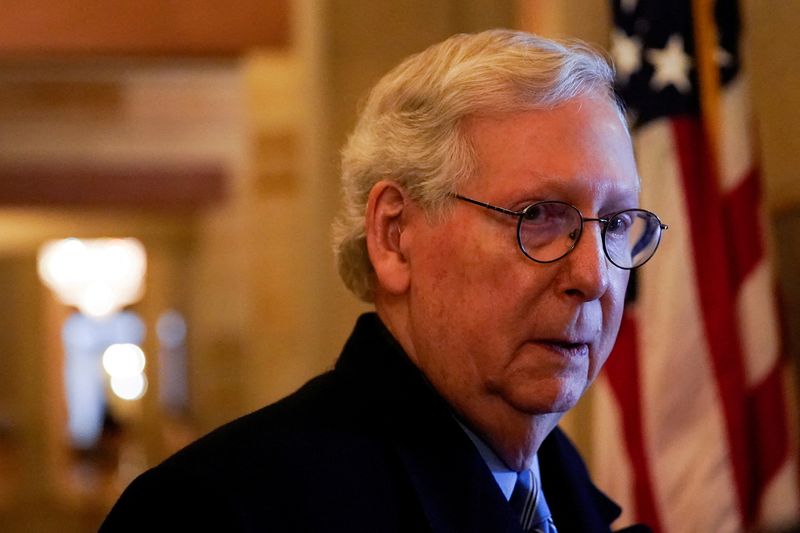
528 502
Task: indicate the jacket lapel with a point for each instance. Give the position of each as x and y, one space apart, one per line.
576 504
454 485
455 488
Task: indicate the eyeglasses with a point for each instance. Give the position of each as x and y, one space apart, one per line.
548 231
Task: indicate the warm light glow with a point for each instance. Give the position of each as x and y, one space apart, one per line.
125 364
123 360
98 276
129 387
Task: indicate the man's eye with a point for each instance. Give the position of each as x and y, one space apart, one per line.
533 213
620 223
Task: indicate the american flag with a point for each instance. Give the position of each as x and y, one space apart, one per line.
697 381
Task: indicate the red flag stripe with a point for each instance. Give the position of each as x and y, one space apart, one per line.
770 435
743 228
716 299
622 371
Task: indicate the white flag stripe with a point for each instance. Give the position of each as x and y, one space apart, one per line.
758 324
611 463
684 427
781 498
735 142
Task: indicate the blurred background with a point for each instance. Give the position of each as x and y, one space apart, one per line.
188 151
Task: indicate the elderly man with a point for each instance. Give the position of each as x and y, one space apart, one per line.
491 215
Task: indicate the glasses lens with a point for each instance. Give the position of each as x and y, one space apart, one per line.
631 237
549 230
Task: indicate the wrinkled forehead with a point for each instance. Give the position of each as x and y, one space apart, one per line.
581 144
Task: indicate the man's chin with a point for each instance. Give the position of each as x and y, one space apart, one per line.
543 402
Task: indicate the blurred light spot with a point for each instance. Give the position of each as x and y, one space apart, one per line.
129 387
171 329
98 276
123 360
173 386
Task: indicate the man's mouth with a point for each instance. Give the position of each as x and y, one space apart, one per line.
567 348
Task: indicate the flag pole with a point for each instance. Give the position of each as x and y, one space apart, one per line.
705 49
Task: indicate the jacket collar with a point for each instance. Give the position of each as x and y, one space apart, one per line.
453 484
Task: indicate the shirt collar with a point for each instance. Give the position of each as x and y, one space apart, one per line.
503 475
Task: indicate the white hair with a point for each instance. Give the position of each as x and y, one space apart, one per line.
410 129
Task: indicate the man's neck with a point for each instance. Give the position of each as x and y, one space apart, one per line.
514 437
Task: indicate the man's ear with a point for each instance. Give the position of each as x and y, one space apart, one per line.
387 210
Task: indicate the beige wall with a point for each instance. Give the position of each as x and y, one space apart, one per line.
774 61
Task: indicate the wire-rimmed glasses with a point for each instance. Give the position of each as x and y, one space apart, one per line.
547 231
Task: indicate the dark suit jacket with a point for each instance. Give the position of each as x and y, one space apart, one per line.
366 447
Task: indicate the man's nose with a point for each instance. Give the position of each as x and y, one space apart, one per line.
587 265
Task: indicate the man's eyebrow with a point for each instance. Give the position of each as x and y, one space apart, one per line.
541 184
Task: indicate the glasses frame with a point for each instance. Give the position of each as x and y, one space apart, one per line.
603 221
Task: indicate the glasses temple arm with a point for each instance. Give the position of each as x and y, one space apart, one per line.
489 206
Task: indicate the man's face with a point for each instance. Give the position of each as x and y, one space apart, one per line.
487 325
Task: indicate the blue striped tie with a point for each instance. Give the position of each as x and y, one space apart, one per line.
528 502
